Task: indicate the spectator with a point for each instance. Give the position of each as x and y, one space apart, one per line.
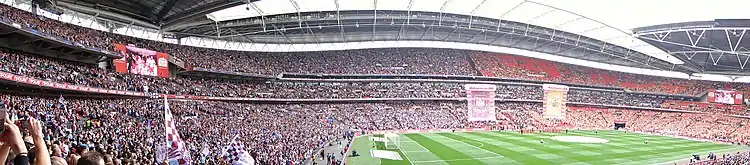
91 158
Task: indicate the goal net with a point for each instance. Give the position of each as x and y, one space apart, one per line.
392 141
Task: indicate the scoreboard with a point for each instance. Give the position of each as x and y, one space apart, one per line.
724 97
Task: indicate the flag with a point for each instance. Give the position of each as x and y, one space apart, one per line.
61 102
205 151
235 153
176 151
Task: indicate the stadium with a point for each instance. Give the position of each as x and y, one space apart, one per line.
380 82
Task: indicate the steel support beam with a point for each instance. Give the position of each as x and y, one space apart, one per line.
733 47
706 51
245 36
690 46
500 19
440 14
260 12
299 14
313 33
282 34
475 36
408 11
449 34
179 18
338 20
426 31
165 9
471 16
640 34
374 17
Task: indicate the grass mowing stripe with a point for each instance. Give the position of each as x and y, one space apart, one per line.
536 146
510 154
662 142
601 159
446 153
656 155
576 146
472 150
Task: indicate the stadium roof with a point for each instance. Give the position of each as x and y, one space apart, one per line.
609 21
149 13
717 46
605 25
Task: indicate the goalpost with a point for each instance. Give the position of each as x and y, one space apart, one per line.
392 141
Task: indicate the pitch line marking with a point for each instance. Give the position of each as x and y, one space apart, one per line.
465 142
453 160
420 145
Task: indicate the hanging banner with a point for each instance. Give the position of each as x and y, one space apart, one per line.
554 100
481 102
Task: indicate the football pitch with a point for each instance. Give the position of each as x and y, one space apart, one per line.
506 147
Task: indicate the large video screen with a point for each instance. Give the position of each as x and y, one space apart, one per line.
141 61
725 97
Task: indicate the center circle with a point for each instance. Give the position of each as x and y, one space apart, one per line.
579 139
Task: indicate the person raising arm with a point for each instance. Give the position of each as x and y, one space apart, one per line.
41 152
12 138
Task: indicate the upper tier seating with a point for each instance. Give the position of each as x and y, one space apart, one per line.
373 61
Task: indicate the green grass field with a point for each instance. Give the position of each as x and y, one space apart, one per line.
475 148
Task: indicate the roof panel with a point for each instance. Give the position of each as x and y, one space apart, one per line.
393 5
526 12
495 9
556 18
273 7
356 4
427 5
513 10
313 5
603 34
236 12
461 6
580 26
626 42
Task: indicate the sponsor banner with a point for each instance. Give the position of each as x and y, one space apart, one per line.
177 61
43 83
121 65
554 87
430 130
162 64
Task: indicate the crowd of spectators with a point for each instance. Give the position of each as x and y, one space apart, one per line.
518 67
374 61
130 130
614 98
89 75
715 108
694 125
742 157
